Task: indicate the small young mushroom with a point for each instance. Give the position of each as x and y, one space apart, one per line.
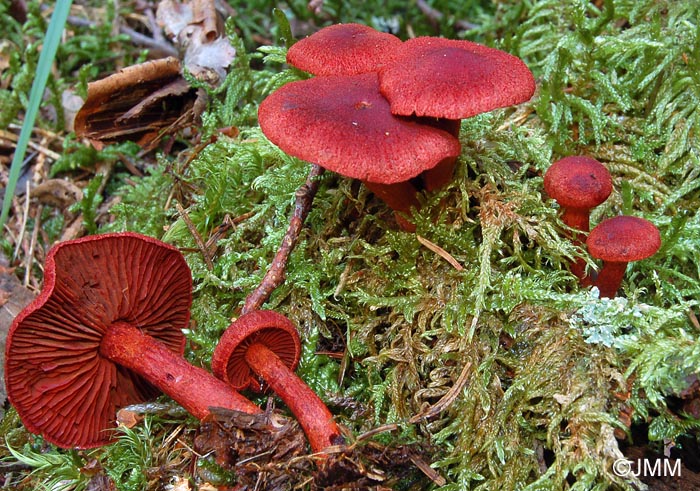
263 347
343 124
105 332
618 241
578 184
451 80
343 49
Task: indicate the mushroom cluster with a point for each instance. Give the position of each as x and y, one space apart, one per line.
388 112
579 184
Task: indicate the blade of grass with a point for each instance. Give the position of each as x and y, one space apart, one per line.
48 52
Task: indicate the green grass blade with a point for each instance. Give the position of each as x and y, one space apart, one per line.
48 52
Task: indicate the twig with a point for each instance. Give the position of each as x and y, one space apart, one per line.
435 16
154 27
25 218
427 470
32 245
440 252
166 48
195 234
377 431
446 400
275 275
34 146
694 319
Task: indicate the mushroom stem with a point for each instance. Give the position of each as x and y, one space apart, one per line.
312 414
579 219
441 175
610 278
400 197
192 387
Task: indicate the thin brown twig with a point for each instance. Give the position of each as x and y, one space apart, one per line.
427 470
377 431
694 319
440 252
164 47
275 275
435 16
25 219
195 234
446 400
32 245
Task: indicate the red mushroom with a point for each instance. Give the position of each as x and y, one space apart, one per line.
343 49
105 332
263 347
450 80
578 184
343 124
618 241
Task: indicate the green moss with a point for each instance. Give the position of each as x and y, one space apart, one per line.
549 366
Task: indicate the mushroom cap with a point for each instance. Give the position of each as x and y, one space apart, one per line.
56 378
453 79
578 182
265 327
343 124
343 49
624 239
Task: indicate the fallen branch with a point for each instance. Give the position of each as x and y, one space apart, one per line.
275 275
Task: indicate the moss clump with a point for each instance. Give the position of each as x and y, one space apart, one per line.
548 369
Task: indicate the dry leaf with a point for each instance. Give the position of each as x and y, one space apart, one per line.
13 298
141 103
198 31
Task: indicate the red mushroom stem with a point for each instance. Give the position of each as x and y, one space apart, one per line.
441 175
312 414
192 387
610 278
579 219
400 197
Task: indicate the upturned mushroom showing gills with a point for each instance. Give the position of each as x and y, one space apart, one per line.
449 80
343 49
106 332
578 184
343 124
618 241
262 348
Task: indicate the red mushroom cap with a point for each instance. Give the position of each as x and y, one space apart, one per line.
343 124
453 79
266 327
624 239
56 379
578 182
343 49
